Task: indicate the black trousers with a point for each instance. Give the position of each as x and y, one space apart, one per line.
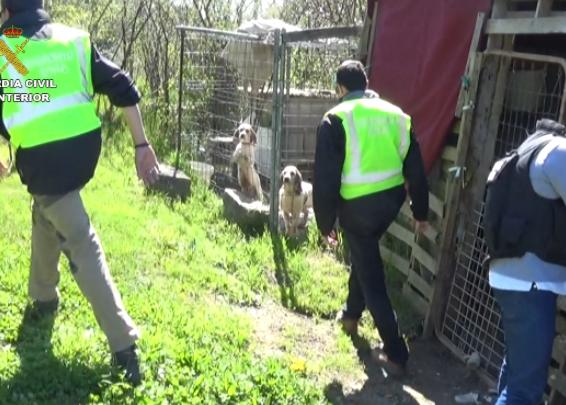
364 222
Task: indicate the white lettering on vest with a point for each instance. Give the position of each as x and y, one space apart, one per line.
43 84
25 98
17 84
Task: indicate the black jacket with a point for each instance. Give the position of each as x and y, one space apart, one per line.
60 167
329 160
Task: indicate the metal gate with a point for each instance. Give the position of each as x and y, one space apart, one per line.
533 87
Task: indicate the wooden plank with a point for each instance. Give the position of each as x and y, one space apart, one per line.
481 96
449 153
420 284
436 205
425 259
431 233
531 14
372 36
392 258
417 302
474 47
406 210
322 33
547 25
456 126
363 47
401 233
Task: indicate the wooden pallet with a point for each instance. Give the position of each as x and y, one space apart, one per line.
511 17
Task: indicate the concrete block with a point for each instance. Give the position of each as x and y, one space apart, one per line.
251 216
174 185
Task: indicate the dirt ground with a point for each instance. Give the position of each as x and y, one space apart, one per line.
434 377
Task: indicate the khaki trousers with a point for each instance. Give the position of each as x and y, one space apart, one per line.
61 224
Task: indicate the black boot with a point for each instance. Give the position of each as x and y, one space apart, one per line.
127 360
40 309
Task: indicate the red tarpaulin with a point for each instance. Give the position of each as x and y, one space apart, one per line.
418 59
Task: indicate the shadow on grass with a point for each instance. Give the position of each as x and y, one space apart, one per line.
42 378
378 388
286 287
433 376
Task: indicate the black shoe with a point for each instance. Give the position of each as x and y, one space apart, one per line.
41 309
127 360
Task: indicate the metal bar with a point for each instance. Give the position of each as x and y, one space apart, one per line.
210 31
322 33
180 108
273 207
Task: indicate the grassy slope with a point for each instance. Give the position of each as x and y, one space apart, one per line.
184 273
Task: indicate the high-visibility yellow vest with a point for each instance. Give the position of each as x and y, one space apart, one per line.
65 59
377 142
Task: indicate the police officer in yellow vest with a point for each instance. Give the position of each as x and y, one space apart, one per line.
365 155
57 145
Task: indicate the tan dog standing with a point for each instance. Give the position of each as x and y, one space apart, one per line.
244 157
295 198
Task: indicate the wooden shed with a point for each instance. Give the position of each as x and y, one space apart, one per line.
515 75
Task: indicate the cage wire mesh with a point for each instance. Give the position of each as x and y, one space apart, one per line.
281 84
227 80
309 92
472 323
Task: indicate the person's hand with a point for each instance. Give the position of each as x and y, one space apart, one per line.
421 227
147 165
332 239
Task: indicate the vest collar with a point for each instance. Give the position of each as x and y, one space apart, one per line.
30 21
354 95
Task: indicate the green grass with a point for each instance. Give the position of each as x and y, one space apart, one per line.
186 277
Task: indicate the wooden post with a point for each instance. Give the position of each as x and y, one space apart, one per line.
467 99
474 45
479 133
366 35
373 31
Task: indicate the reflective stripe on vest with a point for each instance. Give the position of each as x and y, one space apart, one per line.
64 58
377 142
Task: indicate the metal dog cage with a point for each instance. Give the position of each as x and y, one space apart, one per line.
280 83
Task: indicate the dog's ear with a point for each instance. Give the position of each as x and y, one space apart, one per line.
235 136
281 177
253 137
298 183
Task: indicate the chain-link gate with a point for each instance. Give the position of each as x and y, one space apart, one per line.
534 88
280 83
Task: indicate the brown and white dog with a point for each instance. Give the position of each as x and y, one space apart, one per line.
295 198
244 157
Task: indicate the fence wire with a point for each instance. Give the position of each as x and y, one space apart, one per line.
472 321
